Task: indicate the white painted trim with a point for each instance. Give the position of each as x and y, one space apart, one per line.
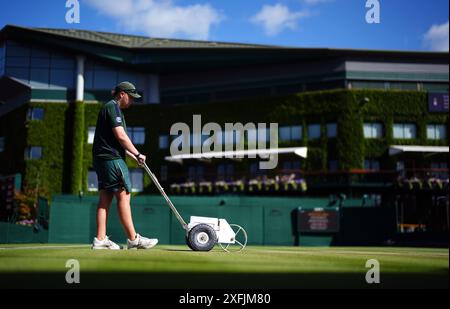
396 149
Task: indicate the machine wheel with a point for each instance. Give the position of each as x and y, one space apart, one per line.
186 238
202 237
240 240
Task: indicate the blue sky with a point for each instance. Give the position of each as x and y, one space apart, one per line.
404 24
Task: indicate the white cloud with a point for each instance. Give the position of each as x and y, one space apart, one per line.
437 37
276 18
161 18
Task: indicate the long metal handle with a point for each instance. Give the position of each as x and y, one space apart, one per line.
169 202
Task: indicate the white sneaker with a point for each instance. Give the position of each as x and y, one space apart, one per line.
104 244
141 242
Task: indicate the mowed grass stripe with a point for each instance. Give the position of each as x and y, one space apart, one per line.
256 266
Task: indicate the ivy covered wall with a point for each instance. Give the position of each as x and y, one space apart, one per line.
78 142
66 156
50 173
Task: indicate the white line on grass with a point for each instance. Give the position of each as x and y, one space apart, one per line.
319 252
44 247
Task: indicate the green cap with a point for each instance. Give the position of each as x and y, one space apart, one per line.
128 88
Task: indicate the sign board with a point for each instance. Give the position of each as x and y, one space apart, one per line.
7 188
438 102
318 220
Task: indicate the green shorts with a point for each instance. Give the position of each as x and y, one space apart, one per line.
112 175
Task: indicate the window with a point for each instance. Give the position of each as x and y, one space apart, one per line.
264 135
314 131
191 172
439 165
440 170
33 152
373 130
104 77
231 137
404 130
88 76
331 130
296 133
198 142
137 180
435 87
40 63
255 170
163 141
62 71
400 168
35 113
164 172
2 144
371 164
183 141
137 135
285 134
436 131
18 62
196 172
251 136
17 49
128 76
225 171
333 165
91 135
62 79
291 165
40 68
204 138
19 73
403 85
39 78
191 140
290 133
62 62
200 172
368 85
92 181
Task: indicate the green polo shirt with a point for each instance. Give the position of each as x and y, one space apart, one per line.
106 146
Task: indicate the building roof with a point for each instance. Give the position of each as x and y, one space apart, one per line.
143 42
134 41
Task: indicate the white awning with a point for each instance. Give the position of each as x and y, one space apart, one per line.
396 149
237 154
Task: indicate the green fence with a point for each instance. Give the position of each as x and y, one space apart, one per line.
267 220
16 234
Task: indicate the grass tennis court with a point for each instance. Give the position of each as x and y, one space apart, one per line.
24 266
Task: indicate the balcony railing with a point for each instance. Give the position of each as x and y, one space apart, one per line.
350 178
424 173
423 179
299 180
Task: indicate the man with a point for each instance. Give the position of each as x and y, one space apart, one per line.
111 145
